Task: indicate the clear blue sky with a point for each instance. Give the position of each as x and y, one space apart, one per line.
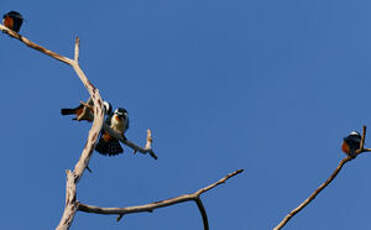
268 86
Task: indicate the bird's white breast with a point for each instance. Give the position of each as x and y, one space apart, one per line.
117 124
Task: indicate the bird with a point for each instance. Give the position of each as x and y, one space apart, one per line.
79 110
13 20
351 143
119 122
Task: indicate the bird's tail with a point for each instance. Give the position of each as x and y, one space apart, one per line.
66 111
111 147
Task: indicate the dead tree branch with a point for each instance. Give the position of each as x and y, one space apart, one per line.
160 204
73 176
362 149
137 148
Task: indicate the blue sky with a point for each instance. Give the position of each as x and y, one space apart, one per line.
268 86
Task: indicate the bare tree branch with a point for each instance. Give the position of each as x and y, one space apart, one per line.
71 205
203 212
77 50
146 149
35 46
74 176
160 204
137 148
326 183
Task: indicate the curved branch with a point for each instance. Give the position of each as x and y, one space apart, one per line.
325 184
203 213
159 204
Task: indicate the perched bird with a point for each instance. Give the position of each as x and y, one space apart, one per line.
119 122
351 143
79 109
13 20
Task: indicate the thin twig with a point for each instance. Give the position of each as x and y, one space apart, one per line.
159 204
77 50
363 138
148 140
132 145
36 46
90 107
314 194
326 183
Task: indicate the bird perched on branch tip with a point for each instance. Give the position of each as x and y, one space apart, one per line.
351 143
13 20
119 122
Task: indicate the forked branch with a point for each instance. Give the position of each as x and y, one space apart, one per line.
348 158
160 204
72 176
71 204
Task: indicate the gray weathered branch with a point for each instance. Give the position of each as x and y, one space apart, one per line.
73 176
160 204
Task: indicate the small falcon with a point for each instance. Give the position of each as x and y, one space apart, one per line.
13 20
79 109
119 122
351 143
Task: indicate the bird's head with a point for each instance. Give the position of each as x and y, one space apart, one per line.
121 112
355 133
13 14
